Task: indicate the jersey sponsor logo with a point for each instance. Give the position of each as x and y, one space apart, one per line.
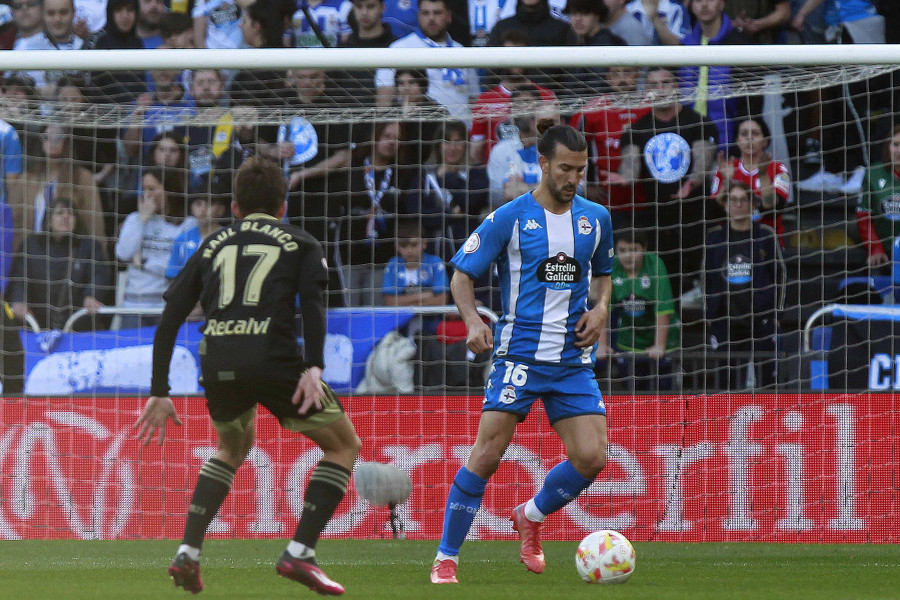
634 306
890 207
584 226
508 395
739 270
216 328
531 224
560 272
668 157
472 244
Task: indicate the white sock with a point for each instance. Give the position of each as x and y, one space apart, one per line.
298 550
441 556
192 553
532 513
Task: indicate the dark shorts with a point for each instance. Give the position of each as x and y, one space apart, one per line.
232 404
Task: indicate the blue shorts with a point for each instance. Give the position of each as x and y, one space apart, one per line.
566 391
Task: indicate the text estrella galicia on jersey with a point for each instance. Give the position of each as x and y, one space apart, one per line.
668 157
560 272
584 226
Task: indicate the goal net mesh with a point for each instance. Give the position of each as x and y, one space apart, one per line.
741 363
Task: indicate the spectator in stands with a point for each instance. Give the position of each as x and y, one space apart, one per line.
625 25
513 167
464 187
168 106
858 20
878 212
413 277
671 150
261 25
117 34
176 31
603 120
149 22
146 240
168 151
533 17
369 30
713 27
484 16
770 180
368 215
491 109
93 147
587 18
59 269
744 289
402 17
759 21
452 88
57 34
55 176
10 171
217 24
209 140
28 20
665 21
210 208
331 19
642 312
422 116
20 106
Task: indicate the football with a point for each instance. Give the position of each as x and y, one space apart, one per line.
605 557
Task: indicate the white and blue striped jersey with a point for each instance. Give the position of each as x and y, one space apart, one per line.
545 262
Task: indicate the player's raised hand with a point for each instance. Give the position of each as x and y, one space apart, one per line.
590 326
480 338
309 391
156 414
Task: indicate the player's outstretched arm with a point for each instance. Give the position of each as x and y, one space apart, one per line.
479 338
155 417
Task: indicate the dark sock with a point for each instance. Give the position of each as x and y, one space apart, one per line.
213 485
327 486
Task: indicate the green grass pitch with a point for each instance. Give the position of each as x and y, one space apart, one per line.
398 570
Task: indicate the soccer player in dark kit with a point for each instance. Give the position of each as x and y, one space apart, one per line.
247 278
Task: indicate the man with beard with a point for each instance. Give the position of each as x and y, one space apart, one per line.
491 109
554 251
670 150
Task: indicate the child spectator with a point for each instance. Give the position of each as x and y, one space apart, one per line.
415 278
209 209
643 318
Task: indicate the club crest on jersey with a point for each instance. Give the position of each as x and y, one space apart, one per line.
584 226
472 244
508 395
560 272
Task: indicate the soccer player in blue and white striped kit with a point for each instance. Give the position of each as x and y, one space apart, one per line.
553 251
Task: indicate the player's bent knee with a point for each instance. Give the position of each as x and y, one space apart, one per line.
590 465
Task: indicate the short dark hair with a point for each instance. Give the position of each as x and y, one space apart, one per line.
419 76
632 236
519 37
596 7
566 135
409 227
455 127
446 3
270 19
174 24
259 186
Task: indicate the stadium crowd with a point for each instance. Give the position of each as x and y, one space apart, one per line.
441 147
